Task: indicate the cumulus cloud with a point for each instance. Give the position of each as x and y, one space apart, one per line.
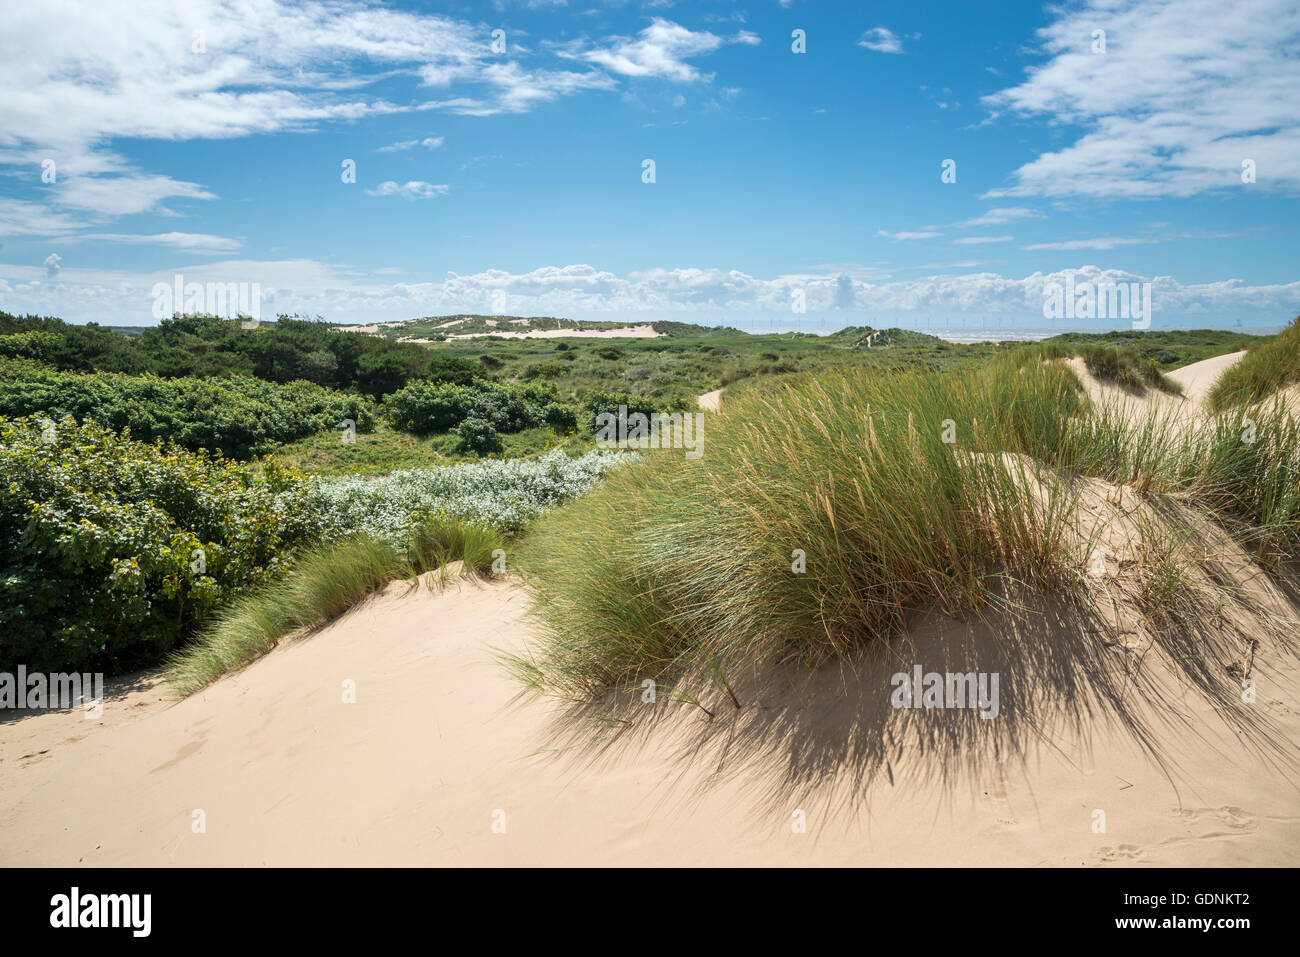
52 266
661 50
1180 98
882 40
705 296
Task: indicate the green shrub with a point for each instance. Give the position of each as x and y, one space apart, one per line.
114 549
476 436
562 418
237 417
427 407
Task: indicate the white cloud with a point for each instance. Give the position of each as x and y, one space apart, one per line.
999 216
52 266
415 189
1102 242
661 50
979 240
1182 95
706 296
93 71
193 242
429 143
921 234
21 218
882 40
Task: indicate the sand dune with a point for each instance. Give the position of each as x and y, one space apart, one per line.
1197 378
440 740
645 331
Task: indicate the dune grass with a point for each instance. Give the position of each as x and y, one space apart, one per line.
323 584
825 512
1260 372
1123 366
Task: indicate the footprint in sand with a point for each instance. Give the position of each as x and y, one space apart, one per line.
1206 820
1122 854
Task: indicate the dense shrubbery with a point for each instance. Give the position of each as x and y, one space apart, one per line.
112 549
281 351
236 416
427 407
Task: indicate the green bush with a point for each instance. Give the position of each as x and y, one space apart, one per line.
600 401
425 408
114 549
561 418
237 417
477 436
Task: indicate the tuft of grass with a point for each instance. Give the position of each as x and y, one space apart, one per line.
1261 372
322 585
827 510
680 565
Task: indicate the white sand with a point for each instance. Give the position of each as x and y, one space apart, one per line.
1197 378
646 331
711 401
440 739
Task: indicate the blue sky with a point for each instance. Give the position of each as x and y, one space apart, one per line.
506 174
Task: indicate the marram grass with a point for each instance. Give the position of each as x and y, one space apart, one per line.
891 493
322 585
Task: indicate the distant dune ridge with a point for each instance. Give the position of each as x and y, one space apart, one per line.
1122 737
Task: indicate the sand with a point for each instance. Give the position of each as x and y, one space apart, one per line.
645 331
1197 378
440 740
711 401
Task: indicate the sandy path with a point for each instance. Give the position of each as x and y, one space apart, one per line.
1197 378
711 401
439 740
